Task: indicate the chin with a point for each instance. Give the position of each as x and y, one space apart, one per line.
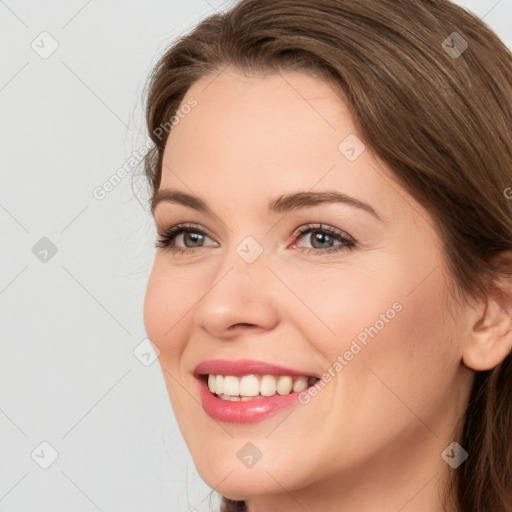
228 476
240 484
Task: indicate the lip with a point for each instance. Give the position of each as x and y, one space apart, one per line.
246 367
250 411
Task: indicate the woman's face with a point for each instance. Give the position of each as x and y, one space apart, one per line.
371 313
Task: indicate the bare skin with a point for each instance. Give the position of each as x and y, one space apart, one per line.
371 440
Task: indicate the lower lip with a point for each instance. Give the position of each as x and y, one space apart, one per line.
247 411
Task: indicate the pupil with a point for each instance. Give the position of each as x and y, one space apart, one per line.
195 237
321 237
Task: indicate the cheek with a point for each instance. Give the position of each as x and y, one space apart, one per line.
408 363
394 308
383 325
165 306
345 303
154 306
165 321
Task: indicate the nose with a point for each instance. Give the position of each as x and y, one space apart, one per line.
240 299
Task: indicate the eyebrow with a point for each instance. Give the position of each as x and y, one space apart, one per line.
281 204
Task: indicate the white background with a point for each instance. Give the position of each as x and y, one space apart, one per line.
69 326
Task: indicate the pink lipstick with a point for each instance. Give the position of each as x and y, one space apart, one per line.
249 410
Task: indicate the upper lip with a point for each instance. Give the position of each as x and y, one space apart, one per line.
246 367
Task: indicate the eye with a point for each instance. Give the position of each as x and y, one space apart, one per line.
192 235
323 239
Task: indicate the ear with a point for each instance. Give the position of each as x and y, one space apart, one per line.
490 338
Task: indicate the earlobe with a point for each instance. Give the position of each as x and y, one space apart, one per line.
490 337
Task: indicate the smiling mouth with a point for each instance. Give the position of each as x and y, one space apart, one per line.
255 387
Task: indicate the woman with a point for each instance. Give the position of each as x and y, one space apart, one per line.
331 293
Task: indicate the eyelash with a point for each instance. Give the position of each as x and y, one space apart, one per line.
168 236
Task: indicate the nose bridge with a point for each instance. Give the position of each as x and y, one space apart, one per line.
250 251
248 248
244 269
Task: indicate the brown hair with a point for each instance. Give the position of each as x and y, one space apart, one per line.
437 113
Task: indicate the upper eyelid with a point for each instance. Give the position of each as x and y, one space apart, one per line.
183 227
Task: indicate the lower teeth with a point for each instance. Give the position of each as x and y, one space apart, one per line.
238 398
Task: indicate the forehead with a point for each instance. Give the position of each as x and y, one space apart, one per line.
252 137
269 101
271 122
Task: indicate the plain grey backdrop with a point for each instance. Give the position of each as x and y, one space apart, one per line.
85 420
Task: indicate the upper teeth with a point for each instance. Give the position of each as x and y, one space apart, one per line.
254 385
